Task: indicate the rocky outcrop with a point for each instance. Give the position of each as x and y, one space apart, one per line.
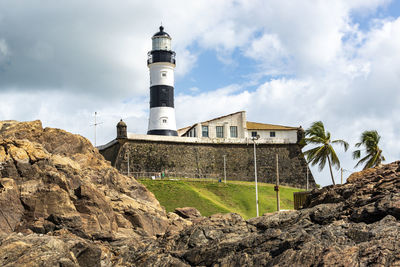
188 212
52 180
47 250
62 204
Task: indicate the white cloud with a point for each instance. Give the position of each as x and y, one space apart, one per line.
185 61
3 47
204 106
4 53
269 51
194 89
75 113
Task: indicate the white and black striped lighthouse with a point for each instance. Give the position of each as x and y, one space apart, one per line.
161 63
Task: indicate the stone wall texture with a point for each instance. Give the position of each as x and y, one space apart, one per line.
206 160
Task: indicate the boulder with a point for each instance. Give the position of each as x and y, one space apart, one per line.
188 212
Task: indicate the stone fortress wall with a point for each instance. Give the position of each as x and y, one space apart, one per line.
192 158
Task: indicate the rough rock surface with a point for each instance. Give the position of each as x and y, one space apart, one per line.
355 224
188 212
61 204
52 181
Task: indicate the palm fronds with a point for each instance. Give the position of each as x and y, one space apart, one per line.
323 152
373 154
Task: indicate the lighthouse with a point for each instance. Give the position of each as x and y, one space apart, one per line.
161 63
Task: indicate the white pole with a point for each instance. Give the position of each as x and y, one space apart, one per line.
278 206
341 175
225 168
95 124
255 174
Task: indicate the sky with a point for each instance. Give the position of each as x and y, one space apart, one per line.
284 62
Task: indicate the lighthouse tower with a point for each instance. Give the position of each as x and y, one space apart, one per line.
161 63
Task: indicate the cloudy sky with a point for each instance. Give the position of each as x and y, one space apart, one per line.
284 62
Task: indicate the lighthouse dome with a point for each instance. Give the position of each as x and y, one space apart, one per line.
161 33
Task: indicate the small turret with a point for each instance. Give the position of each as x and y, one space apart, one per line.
300 136
122 130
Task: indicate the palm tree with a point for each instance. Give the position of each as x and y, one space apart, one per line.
374 157
324 151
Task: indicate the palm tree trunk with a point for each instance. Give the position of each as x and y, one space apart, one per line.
330 168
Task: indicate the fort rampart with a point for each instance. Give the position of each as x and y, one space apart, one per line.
187 158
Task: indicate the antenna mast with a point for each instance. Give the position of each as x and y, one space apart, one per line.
95 125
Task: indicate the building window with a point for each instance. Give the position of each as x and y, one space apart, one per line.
204 131
253 134
192 133
163 74
220 131
234 133
271 134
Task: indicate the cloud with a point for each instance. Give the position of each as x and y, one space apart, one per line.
270 53
4 54
66 110
204 106
73 45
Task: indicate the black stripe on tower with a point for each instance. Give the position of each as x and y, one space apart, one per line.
161 56
161 96
163 132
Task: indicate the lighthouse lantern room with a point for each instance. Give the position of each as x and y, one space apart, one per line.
161 63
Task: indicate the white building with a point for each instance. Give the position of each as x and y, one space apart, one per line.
235 126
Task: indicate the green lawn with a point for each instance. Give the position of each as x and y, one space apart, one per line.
213 197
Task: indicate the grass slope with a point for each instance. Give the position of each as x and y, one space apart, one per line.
212 197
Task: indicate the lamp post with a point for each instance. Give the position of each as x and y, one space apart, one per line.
225 169
254 138
278 205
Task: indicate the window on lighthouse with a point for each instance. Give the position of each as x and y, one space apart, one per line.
161 43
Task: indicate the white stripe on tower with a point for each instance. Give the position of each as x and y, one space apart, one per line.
161 62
